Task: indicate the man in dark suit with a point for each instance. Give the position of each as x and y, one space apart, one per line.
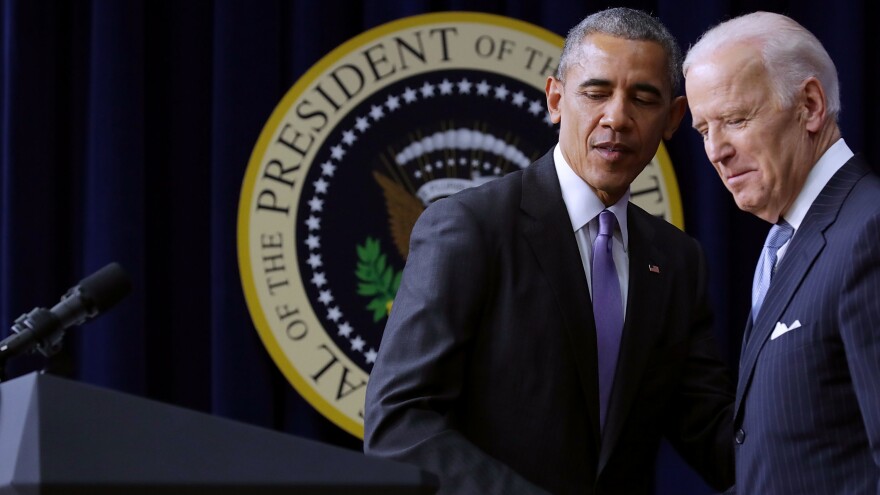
496 371
764 95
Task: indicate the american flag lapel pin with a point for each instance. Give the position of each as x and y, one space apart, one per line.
653 268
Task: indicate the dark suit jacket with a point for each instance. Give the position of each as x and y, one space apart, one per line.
487 370
808 402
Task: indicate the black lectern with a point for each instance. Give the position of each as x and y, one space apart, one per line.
58 436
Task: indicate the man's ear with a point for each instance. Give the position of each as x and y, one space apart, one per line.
554 91
813 105
676 113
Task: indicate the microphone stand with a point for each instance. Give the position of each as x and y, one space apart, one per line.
47 334
43 329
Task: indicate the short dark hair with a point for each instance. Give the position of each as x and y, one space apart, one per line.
631 24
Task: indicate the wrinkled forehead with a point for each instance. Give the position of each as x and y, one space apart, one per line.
619 60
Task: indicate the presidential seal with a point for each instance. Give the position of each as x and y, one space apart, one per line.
392 120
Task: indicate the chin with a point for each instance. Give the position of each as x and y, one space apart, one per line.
746 206
760 212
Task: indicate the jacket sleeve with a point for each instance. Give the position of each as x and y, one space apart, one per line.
415 386
701 418
859 321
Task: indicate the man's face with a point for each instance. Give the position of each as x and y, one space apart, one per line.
613 109
759 149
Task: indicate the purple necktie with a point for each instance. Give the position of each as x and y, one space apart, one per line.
607 309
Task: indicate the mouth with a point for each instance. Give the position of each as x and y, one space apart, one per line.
735 178
611 150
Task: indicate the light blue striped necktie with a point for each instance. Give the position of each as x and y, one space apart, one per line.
779 234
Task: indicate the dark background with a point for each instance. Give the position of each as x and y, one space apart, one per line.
125 131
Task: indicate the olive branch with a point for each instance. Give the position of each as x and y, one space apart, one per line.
377 279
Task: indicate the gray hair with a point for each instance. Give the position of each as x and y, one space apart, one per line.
789 52
631 24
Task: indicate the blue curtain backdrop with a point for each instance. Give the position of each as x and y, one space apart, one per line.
126 130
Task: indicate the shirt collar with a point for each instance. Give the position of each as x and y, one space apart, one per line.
581 201
829 163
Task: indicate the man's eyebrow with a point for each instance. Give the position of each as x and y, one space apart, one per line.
595 82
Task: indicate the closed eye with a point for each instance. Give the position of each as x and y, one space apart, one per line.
647 101
702 129
595 95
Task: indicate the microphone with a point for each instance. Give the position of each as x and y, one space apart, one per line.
43 329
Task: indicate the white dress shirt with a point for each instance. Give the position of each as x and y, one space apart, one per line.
828 165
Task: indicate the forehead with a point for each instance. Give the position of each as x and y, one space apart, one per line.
726 81
620 60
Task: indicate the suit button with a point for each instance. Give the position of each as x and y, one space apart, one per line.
739 436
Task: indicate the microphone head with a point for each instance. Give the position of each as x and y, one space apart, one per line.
106 287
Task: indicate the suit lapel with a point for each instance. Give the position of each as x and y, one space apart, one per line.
646 300
548 230
805 247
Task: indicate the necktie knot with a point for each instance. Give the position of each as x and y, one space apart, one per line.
607 222
779 234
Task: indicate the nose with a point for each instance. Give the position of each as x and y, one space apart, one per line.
616 115
718 148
